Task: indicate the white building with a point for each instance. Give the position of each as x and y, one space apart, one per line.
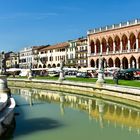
26 57
50 56
71 54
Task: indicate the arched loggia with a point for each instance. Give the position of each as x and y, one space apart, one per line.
110 43
132 39
92 63
98 49
54 66
110 62
92 45
124 42
117 44
104 45
139 63
133 62
97 63
117 62
49 66
139 40
125 63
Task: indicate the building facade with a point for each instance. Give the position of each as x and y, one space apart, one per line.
53 54
12 60
81 53
119 45
26 57
71 54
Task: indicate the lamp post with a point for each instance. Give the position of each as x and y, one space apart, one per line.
100 80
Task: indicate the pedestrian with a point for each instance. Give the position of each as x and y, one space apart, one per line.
116 77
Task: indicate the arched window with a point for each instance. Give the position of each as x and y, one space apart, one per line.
117 43
49 66
92 63
133 62
124 43
98 49
139 63
125 63
58 65
97 63
139 39
110 62
117 62
110 43
54 66
104 45
132 39
92 46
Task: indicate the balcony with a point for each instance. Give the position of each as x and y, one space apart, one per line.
81 51
82 64
83 58
115 52
71 59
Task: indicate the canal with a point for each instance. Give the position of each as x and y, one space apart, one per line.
50 115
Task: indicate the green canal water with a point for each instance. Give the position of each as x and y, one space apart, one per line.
50 115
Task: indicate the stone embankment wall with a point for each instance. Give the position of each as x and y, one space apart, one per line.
123 94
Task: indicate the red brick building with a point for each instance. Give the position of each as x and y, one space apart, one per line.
119 44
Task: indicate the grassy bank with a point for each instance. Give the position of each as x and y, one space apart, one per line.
134 83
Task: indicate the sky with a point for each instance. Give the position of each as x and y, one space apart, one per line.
26 23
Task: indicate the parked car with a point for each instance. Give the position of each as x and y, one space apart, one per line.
53 74
83 75
127 74
137 75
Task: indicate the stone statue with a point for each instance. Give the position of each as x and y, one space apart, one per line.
61 74
100 62
100 80
61 64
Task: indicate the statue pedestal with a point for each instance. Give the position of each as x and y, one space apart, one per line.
3 84
61 76
30 75
100 80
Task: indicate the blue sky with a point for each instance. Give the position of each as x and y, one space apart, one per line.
25 23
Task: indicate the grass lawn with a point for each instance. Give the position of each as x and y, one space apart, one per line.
134 83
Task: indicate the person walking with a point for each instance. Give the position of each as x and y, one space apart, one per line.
116 77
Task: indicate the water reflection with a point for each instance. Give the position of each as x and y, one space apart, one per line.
104 111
